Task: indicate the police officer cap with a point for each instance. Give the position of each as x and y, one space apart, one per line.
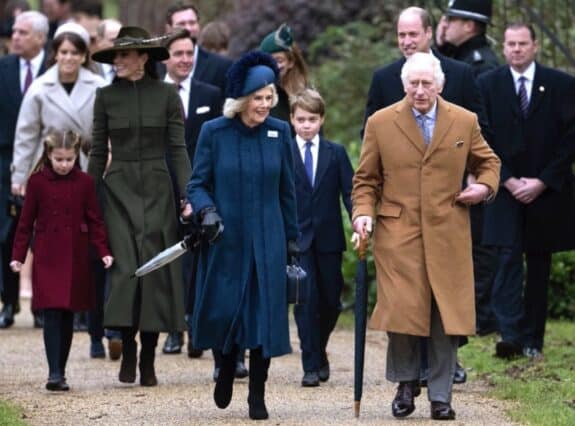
476 10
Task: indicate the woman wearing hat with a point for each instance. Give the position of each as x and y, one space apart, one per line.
242 189
140 121
293 69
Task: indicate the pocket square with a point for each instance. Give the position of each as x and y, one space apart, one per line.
203 109
459 144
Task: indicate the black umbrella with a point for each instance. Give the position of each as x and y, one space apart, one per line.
360 322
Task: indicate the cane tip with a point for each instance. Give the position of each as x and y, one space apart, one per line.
356 405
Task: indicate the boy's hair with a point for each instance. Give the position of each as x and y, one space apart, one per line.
54 140
309 100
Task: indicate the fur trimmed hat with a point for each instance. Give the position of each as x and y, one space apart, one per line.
251 72
279 40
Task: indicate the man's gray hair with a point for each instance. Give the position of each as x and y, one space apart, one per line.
39 21
420 61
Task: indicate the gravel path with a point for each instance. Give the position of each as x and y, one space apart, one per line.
184 394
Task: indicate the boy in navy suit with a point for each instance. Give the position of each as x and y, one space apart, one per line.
323 173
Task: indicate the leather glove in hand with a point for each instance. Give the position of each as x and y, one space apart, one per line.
212 224
293 249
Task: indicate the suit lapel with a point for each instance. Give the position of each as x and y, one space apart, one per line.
508 91
408 126
58 96
13 81
537 90
324 157
443 121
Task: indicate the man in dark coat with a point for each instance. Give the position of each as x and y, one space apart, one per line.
533 213
208 67
201 102
466 27
414 34
16 73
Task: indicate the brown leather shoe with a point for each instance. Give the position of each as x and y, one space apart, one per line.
442 411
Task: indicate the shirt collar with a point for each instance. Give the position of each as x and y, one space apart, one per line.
301 142
185 83
529 73
36 62
429 114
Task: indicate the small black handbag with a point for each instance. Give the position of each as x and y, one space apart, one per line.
297 283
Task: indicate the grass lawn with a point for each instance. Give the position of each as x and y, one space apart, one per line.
10 416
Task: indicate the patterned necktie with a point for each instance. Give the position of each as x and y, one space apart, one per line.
308 162
28 79
422 121
522 93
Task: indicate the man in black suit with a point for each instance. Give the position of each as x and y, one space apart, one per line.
208 67
323 176
16 73
414 34
532 112
201 102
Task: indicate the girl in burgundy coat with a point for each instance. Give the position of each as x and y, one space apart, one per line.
60 219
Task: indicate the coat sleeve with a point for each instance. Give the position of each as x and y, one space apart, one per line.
482 162
200 186
96 226
25 228
368 178
287 188
27 140
176 140
345 178
99 152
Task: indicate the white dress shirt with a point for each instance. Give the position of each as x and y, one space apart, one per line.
35 64
183 91
314 151
529 75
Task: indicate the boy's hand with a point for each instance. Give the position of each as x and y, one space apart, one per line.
16 266
108 261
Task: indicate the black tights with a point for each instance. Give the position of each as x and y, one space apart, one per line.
148 339
58 332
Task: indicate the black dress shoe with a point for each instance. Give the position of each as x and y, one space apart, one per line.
310 379
173 343
241 370
507 350
57 384
460 375
193 352
403 404
323 373
7 316
442 411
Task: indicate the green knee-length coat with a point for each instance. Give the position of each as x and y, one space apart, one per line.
143 122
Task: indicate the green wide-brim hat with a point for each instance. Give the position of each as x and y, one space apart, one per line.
133 38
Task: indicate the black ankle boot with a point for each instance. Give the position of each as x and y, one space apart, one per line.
129 361
147 371
258 375
225 382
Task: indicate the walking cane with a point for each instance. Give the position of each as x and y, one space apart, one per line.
360 311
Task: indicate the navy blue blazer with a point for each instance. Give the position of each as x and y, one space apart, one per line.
540 145
460 88
205 103
212 68
318 208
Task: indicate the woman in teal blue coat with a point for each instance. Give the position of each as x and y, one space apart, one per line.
243 183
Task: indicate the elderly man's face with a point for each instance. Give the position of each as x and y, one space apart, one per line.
422 90
25 41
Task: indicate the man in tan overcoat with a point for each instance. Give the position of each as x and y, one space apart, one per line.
414 155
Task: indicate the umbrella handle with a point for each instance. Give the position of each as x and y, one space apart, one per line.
362 249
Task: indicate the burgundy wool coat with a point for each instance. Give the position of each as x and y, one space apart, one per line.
60 219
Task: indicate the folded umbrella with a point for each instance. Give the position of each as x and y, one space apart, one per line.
360 311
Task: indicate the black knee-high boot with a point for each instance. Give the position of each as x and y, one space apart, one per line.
129 356
67 329
258 375
225 383
147 355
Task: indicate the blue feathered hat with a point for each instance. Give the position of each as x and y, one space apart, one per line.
251 72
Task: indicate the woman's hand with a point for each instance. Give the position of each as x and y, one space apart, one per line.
108 261
186 211
16 266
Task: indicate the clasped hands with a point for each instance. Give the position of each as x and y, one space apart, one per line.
525 190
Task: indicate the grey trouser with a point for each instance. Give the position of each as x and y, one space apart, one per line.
403 359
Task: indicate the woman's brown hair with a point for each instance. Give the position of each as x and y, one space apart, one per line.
296 78
77 42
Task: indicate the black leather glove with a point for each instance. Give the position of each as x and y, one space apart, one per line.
293 249
212 224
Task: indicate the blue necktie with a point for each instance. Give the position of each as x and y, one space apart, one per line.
308 162
422 123
523 100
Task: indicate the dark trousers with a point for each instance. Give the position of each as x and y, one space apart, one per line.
485 261
535 299
58 333
317 316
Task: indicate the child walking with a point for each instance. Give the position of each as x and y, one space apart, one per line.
59 221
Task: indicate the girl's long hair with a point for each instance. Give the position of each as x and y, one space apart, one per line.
55 139
296 78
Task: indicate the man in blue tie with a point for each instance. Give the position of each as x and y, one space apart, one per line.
323 176
532 111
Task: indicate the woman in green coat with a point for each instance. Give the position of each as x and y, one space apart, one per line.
139 121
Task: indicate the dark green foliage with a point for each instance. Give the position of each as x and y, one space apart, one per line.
562 286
